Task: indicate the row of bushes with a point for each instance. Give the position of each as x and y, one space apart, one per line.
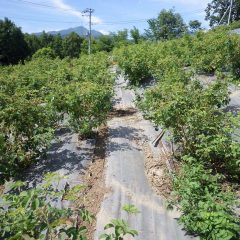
216 50
207 151
35 96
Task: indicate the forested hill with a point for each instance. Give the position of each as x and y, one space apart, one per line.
81 31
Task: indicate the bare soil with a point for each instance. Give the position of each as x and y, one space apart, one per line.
157 171
94 180
122 112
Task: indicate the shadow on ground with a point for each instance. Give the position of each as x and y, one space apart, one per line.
66 156
235 109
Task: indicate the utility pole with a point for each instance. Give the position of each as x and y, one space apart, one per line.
229 15
230 12
90 12
223 16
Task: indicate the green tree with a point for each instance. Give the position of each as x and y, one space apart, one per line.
57 45
135 35
104 43
33 43
195 25
120 38
216 9
13 47
46 39
45 53
167 25
72 45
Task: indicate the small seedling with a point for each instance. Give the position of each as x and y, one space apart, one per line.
131 209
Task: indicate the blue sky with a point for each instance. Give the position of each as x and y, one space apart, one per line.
109 15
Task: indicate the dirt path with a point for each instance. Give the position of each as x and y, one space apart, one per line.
127 150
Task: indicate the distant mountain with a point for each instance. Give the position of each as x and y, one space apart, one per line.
81 31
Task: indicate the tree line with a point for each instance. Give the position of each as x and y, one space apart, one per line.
15 46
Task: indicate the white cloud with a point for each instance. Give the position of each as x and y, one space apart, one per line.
74 12
104 32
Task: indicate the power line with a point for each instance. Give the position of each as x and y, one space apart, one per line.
53 7
69 9
104 23
139 20
36 20
121 23
96 24
133 21
45 5
127 21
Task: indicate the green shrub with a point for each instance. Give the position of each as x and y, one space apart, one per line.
206 209
133 61
87 105
34 97
29 214
194 117
44 53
